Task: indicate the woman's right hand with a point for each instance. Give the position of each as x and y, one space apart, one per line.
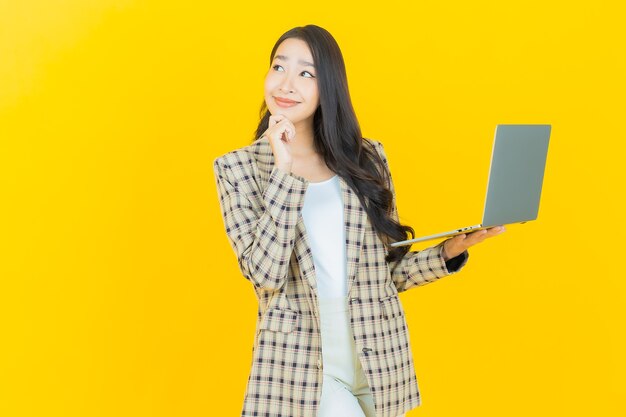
281 132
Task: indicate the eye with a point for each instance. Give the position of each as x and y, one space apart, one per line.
279 66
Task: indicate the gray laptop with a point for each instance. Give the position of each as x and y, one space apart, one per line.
518 161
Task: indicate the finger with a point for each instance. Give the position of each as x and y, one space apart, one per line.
475 237
480 235
276 126
496 230
288 128
285 133
275 119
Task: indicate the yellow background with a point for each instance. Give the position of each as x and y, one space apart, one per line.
119 293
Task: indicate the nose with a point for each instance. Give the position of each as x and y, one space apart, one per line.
286 90
286 86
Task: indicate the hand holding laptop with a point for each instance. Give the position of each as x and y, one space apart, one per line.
455 246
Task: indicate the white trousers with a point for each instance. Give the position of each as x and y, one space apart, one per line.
345 392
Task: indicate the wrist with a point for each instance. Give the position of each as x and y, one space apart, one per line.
444 255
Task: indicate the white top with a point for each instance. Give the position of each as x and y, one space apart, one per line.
323 219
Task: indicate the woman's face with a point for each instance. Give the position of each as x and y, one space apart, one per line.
292 76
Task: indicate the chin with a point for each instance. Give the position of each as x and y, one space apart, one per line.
293 117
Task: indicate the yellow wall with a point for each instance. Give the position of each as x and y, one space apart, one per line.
119 293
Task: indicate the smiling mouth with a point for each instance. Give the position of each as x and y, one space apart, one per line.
285 103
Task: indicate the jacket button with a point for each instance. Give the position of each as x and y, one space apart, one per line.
355 299
319 364
367 350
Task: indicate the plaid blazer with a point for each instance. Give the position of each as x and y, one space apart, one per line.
261 208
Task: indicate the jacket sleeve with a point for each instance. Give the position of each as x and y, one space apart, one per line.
418 267
262 235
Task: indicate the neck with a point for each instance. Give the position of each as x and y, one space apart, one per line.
303 145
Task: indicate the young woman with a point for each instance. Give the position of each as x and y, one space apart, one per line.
309 209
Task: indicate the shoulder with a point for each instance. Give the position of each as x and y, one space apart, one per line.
377 149
380 159
242 161
244 153
374 144
371 142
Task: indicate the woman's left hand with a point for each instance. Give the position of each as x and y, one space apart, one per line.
457 245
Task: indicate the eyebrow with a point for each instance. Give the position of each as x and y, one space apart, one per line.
301 62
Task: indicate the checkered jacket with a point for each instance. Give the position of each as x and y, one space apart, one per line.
261 207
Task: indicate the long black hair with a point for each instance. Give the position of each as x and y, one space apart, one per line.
337 137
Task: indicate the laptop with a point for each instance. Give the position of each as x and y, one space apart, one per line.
518 161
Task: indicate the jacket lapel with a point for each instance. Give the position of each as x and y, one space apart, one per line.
354 223
355 218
